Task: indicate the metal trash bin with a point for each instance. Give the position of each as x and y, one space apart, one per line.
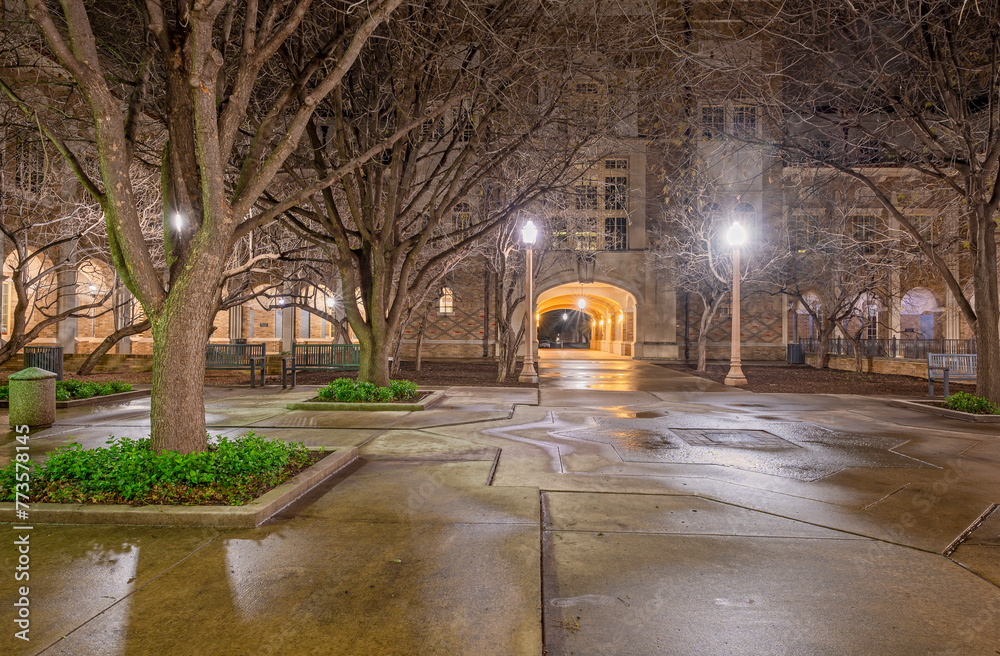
49 358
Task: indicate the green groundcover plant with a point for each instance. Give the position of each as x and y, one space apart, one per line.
79 389
346 390
231 472
977 405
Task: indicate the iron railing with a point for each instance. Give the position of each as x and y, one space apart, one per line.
49 358
916 349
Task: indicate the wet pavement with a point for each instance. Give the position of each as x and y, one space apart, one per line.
625 509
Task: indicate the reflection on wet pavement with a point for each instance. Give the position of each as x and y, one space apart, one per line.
791 449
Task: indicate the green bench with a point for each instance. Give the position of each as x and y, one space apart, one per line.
237 356
319 357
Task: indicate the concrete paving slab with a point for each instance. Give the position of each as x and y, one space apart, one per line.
627 593
424 445
650 513
983 560
345 419
422 491
435 418
302 588
78 572
349 437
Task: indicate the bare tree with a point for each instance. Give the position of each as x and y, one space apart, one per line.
840 261
462 80
49 239
227 116
891 83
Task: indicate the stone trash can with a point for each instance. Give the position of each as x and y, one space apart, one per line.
32 398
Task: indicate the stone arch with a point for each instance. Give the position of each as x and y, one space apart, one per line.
612 310
921 314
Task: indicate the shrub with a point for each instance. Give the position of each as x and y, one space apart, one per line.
977 405
232 471
78 389
346 390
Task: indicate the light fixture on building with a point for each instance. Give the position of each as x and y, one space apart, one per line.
565 316
93 289
582 304
601 322
621 317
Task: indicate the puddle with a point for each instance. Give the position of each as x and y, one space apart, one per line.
649 414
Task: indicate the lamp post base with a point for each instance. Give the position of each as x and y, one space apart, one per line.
528 373
735 377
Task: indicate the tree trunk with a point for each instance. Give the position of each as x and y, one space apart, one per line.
180 333
822 357
374 362
702 352
132 329
987 314
420 344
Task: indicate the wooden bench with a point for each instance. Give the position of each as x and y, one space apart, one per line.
955 366
237 356
320 357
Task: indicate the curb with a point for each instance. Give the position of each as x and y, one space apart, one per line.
332 406
247 516
925 406
95 400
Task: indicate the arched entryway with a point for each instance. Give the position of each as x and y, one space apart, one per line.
601 314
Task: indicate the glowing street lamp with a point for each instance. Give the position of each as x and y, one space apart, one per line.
736 236
528 374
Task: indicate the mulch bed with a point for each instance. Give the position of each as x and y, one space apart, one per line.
807 380
472 373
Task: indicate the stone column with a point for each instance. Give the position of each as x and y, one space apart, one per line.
287 327
124 313
235 323
784 319
66 280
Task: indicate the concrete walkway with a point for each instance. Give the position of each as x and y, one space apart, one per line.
633 510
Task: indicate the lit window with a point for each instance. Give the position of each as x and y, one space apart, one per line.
745 121
446 304
461 216
713 121
586 197
615 193
615 233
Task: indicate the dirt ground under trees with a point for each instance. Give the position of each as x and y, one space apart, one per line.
791 379
476 373
470 373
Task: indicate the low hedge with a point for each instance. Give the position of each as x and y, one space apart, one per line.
976 405
231 472
347 390
79 389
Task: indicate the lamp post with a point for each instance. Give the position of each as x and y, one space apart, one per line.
528 374
736 236
93 292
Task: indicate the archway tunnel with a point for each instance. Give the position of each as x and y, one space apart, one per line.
594 316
